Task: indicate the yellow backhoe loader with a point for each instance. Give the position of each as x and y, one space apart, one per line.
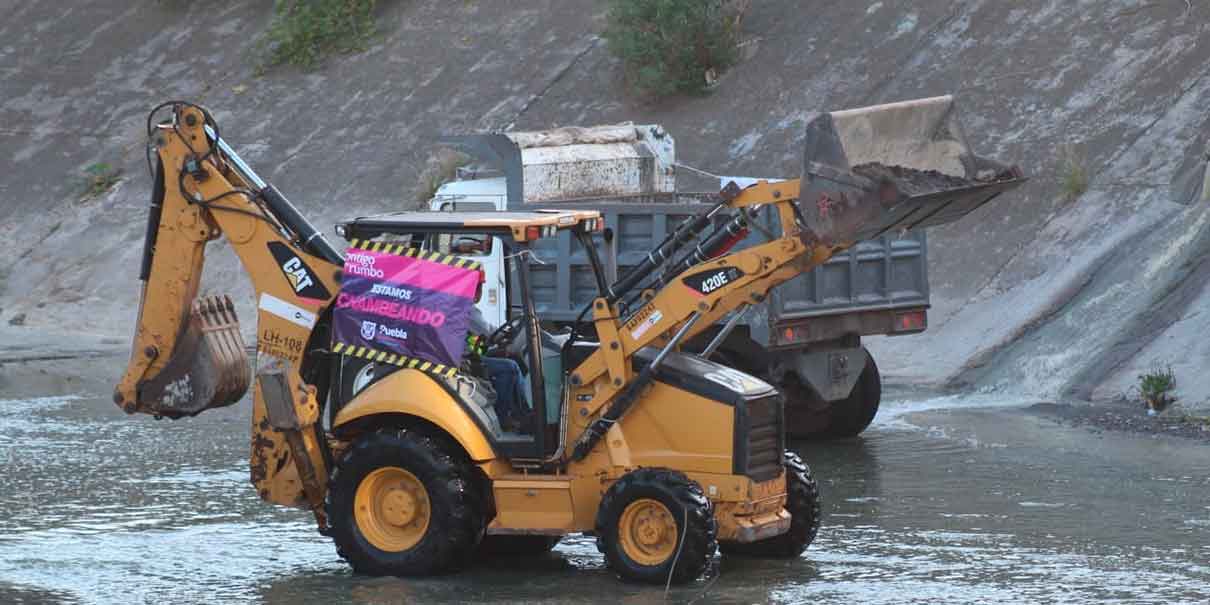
662 455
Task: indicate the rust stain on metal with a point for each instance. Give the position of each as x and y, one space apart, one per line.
261 448
824 205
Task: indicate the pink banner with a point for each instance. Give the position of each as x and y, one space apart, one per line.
406 270
408 304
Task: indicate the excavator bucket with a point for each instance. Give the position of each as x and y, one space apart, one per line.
208 368
893 167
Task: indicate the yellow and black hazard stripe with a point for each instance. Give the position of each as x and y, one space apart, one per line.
395 359
410 252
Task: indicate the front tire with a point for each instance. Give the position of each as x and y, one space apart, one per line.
402 503
656 526
802 502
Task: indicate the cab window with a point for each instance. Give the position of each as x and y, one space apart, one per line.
463 244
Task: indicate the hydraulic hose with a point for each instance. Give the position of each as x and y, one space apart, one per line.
717 243
684 233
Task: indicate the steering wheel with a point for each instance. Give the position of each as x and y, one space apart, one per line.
505 334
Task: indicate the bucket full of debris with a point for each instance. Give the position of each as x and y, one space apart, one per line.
893 167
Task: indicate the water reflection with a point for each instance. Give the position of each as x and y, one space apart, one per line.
973 503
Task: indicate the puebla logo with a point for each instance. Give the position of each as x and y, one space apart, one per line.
369 330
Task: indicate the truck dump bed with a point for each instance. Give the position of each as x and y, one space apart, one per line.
890 272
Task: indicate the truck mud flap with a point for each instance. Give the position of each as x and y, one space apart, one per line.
893 167
208 368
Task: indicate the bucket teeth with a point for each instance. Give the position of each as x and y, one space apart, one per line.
208 367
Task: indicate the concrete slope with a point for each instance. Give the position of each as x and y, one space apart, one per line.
1119 83
1035 293
345 140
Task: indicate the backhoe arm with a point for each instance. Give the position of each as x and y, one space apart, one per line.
188 354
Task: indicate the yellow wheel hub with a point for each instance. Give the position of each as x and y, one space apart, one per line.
648 532
392 509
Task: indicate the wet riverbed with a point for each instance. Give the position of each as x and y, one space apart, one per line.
957 498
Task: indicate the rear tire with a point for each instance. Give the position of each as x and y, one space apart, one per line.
656 526
518 546
803 505
403 503
853 414
839 419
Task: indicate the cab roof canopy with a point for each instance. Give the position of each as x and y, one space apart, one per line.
522 226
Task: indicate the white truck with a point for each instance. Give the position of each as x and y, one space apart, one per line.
806 337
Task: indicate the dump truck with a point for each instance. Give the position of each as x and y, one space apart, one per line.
806 338
661 454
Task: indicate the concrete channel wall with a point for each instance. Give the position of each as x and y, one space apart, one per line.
1036 293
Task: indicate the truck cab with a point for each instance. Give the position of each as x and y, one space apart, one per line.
480 195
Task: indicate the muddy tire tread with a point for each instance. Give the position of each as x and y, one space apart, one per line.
699 528
450 480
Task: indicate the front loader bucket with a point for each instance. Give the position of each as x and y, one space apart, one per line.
208 368
893 167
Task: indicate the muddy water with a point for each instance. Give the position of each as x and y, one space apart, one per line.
946 499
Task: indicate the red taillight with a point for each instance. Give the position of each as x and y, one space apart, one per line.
533 232
793 334
912 321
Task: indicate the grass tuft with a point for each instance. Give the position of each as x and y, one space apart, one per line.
304 32
671 46
1156 387
98 179
1074 172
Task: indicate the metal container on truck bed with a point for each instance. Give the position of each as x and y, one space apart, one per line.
805 338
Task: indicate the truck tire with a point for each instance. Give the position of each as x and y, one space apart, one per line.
402 503
851 415
656 526
803 505
809 417
517 546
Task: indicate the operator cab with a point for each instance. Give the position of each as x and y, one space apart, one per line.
514 338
